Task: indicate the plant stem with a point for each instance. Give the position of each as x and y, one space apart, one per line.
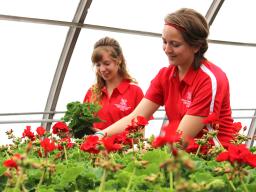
231 183
130 180
244 186
65 153
171 182
43 175
41 179
198 150
103 180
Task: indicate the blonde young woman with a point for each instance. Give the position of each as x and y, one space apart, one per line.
115 90
193 90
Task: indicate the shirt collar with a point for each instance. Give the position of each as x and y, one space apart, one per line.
190 76
123 85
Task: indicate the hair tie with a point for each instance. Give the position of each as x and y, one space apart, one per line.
179 28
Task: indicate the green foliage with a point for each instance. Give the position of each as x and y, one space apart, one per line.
80 118
79 173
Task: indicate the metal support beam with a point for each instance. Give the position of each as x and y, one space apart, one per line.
213 11
64 60
252 131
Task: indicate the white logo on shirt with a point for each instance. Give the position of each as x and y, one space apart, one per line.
187 100
122 105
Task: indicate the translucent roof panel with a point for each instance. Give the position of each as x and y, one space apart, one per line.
43 9
238 63
234 22
29 57
140 63
145 15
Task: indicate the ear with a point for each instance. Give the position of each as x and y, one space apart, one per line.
196 49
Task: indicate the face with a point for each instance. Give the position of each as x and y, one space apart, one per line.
179 52
107 68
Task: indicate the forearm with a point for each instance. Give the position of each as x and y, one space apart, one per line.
190 126
118 126
146 108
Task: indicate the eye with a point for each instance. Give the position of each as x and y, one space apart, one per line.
164 41
175 44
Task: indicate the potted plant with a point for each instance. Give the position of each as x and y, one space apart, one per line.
80 118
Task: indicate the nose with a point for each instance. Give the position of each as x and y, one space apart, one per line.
102 68
167 48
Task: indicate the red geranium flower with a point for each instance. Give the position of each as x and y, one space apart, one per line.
90 144
110 145
122 138
65 142
237 126
28 133
12 162
60 127
239 154
40 131
142 121
136 124
167 136
47 145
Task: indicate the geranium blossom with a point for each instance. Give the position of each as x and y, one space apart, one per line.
12 162
90 144
28 133
110 145
167 136
238 153
40 131
47 145
136 124
65 142
122 138
60 127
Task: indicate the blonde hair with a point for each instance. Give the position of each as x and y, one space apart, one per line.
114 49
194 30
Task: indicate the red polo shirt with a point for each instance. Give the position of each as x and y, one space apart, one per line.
121 103
202 92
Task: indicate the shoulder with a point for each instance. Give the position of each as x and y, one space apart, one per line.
213 71
165 72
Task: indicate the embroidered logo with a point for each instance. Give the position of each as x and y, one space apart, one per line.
123 105
187 100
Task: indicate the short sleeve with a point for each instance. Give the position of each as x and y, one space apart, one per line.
155 90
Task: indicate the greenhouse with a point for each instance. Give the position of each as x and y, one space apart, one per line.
47 67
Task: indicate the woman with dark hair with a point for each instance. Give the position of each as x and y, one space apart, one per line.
194 91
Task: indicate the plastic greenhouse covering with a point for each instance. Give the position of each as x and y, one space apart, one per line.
46 48
45 64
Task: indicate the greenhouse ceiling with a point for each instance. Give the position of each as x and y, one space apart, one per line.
46 47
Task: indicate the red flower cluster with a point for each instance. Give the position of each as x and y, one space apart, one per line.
12 162
91 144
110 144
213 120
47 145
237 126
65 142
28 133
167 136
239 154
136 124
40 131
122 138
59 128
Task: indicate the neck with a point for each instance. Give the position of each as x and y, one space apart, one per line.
183 71
112 84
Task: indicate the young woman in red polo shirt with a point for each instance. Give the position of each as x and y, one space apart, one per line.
115 90
191 88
